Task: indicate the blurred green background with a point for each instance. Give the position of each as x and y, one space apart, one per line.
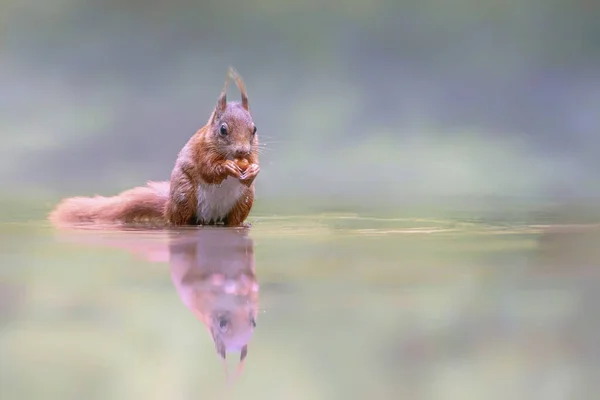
358 102
475 120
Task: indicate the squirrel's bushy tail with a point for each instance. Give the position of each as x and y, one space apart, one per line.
140 204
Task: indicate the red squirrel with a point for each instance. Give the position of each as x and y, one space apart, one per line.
212 181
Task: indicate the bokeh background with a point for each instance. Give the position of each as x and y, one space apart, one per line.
478 116
386 100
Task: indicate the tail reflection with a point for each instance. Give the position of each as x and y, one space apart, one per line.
213 272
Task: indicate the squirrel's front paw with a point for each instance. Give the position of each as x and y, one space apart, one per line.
250 174
230 168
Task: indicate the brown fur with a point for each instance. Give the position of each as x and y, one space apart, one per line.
240 211
206 159
140 204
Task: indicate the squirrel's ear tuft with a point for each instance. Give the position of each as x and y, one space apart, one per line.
221 350
233 74
222 101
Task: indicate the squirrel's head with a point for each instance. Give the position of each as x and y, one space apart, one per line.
232 332
232 329
231 123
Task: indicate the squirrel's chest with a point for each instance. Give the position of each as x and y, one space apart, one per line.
216 201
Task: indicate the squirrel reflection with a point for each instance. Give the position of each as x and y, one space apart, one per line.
213 272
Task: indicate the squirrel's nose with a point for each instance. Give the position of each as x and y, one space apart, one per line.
242 152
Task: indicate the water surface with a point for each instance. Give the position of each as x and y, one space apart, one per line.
324 307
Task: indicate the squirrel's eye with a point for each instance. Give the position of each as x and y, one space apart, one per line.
254 130
223 129
222 323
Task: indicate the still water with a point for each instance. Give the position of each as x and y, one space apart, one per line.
322 307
